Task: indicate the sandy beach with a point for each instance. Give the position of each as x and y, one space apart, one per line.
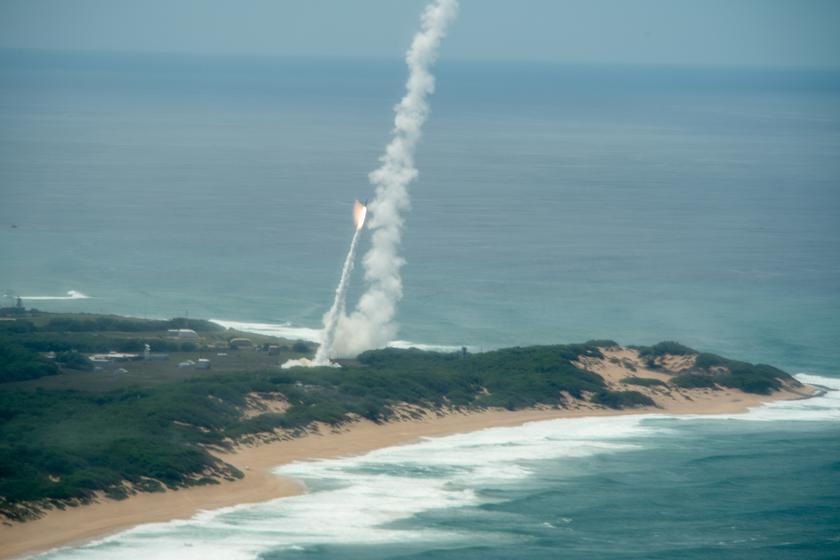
79 524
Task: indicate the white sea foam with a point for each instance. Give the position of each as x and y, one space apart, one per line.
71 294
421 346
825 407
356 500
282 330
830 383
292 332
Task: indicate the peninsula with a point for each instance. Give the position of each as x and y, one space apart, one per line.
108 422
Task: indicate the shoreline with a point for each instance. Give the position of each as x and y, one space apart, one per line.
85 523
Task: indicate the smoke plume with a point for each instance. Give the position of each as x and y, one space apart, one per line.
371 325
322 357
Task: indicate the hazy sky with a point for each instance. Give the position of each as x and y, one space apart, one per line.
762 32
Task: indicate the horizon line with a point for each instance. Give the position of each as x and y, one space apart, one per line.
400 59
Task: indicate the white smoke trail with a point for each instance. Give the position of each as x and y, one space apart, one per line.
322 357
372 325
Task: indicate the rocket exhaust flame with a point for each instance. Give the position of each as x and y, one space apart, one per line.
359 214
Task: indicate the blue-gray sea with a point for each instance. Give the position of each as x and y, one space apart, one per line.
555 203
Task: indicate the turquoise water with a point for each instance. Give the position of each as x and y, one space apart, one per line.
555 204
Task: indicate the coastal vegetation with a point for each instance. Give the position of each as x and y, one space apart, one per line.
69 432
665 348
18 363
63 446
621 399
693 381
644 381
710 370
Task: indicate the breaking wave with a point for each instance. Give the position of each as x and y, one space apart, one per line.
356 500
823 407
71 294
282 330
291 332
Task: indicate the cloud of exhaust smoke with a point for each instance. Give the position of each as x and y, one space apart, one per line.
371 325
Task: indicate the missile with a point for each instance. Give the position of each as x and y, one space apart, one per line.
359 214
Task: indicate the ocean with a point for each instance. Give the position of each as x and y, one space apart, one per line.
555 203
760 485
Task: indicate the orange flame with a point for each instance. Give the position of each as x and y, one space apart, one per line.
359 214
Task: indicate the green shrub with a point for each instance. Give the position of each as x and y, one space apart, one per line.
761 378
18 363
73 360
693 381
664 348
622 399
705 361
17 327
643 381
605 343
301 347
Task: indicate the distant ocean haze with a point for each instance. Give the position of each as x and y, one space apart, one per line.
554 203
